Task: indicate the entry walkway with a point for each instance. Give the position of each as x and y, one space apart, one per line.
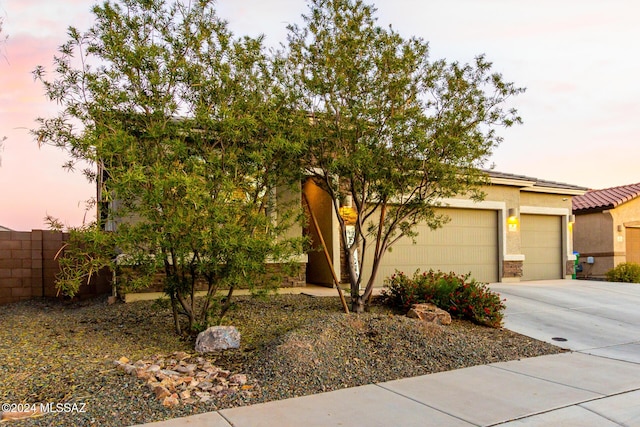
596 384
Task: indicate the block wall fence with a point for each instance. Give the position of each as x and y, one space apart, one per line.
28 266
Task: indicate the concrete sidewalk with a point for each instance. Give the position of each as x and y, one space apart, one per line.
598 384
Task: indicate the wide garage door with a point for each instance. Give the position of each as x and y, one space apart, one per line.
467 243
542 246
633 244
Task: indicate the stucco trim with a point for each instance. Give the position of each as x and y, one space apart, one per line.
541 210
514 257
470 204
553 190
600 254
513 182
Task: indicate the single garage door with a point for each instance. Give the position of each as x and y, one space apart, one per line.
542 246
633 244
467 243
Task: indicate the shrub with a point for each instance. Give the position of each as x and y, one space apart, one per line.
461 297
628 272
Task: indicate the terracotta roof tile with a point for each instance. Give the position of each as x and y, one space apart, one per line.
598 200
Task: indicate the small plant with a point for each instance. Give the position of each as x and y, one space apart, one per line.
461 297
628 272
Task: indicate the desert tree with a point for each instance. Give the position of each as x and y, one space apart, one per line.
184 128
390 130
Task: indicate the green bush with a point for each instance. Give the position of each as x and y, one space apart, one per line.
628 272
461 297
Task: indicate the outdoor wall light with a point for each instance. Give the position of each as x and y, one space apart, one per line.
347 212
572 219
512 220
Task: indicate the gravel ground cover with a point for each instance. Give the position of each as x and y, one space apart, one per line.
292 345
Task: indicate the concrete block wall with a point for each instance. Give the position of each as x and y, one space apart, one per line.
28 267
15 266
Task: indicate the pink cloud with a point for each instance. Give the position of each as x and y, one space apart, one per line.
32 181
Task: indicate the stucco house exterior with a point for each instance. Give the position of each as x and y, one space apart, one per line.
607 228
520 231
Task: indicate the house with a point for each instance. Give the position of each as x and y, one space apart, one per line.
607 228
520 231
4 228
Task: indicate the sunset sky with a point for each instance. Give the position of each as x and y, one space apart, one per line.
578 59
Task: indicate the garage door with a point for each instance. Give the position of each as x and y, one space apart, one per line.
542 246
633 244
467 243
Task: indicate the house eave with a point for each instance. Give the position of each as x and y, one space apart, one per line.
512 182
554 190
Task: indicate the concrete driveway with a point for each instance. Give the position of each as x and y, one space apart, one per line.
598 318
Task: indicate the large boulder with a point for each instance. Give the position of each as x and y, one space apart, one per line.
217 338
429 313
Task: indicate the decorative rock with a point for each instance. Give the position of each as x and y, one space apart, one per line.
206 385
151 385
143 374
430 313
10 416
170 401
239 379
187 380
186 369
217 338
161 392
130 369
181 355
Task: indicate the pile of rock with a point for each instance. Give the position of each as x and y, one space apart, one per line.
182 378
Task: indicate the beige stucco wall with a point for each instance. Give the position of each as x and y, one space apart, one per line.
318 271
592 233
511 197
530 198
625 215
602 236
499 198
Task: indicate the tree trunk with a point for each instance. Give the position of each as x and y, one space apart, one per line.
176 319
357 304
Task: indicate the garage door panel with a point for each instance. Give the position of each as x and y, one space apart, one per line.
541 243
467 243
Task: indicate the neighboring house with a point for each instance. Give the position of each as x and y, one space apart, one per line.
4 228
607 228
520 231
